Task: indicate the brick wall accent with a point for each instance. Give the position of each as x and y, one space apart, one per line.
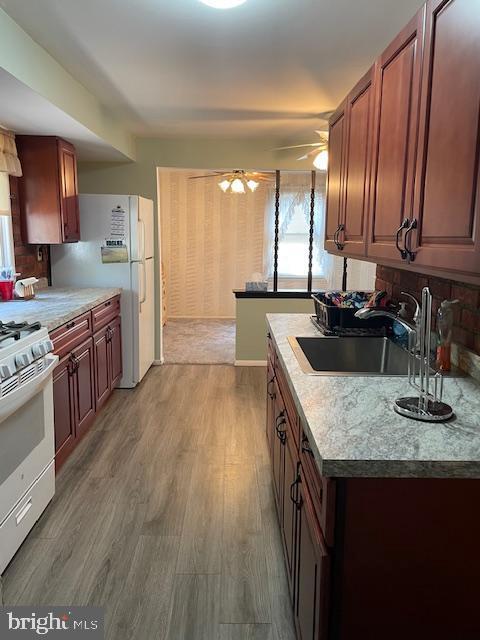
466 314
26 261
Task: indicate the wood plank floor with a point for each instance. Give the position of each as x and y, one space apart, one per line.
165 515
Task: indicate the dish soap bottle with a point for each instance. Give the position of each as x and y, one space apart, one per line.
444 329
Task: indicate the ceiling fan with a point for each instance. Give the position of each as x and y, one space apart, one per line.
319 152
238 180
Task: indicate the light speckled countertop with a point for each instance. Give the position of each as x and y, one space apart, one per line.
354 430
53 307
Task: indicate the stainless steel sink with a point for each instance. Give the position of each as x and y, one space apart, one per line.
350 356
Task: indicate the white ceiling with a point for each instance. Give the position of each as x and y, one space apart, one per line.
172 67
25 112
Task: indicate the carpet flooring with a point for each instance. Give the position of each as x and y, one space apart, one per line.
205 341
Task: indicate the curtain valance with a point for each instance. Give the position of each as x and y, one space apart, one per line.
9 162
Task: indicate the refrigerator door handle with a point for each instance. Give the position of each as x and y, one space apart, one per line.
142 256
144 284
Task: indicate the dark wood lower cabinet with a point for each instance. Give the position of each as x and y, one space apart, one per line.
312 574
291 479
116 352
305 552
83 387
63 410
372 558
108 360
271 394
83 380
102 369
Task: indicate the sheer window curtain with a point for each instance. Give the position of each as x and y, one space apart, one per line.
7 257
295 189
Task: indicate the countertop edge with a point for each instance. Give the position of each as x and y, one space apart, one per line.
372 468
76 301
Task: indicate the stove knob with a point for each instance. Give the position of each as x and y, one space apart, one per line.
23 359
6 371
38 350
48 344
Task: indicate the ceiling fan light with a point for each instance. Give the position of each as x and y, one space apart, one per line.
237 186
321 161
252 185
224 185
223 4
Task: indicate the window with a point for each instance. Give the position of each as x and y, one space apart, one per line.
294 214
7 257
293 247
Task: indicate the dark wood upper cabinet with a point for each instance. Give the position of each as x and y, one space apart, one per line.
336 143
48 190
395 135
357 166
407 178
447 193
349 170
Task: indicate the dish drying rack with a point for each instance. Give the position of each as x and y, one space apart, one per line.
425 406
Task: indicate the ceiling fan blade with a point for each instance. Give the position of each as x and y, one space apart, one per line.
297 146
313 153
208 175
325 115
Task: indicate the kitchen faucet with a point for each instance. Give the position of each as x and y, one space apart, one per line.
425 406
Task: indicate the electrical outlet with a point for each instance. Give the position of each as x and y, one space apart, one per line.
40 254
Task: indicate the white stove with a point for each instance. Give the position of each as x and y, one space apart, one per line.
23 348
27 441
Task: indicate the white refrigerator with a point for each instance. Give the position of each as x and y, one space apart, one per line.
104 221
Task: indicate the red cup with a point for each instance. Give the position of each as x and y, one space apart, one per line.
6 289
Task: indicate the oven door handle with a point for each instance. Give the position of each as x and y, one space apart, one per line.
17 398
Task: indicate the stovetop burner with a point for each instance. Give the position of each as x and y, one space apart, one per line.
14 330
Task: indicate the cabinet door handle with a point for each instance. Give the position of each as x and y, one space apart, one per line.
271 395
403 226
306 447
296 502
281 433
406 243
70 325
339 245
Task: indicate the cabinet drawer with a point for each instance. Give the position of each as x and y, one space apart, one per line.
105 312
322 490
71 334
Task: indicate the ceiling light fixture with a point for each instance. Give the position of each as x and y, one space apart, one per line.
223 4
239 181
321 161
237 186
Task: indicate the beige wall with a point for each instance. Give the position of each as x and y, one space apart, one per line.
203 153
251 344
212 242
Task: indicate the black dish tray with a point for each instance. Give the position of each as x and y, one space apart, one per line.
333 318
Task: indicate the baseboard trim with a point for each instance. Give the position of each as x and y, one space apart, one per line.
250 363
